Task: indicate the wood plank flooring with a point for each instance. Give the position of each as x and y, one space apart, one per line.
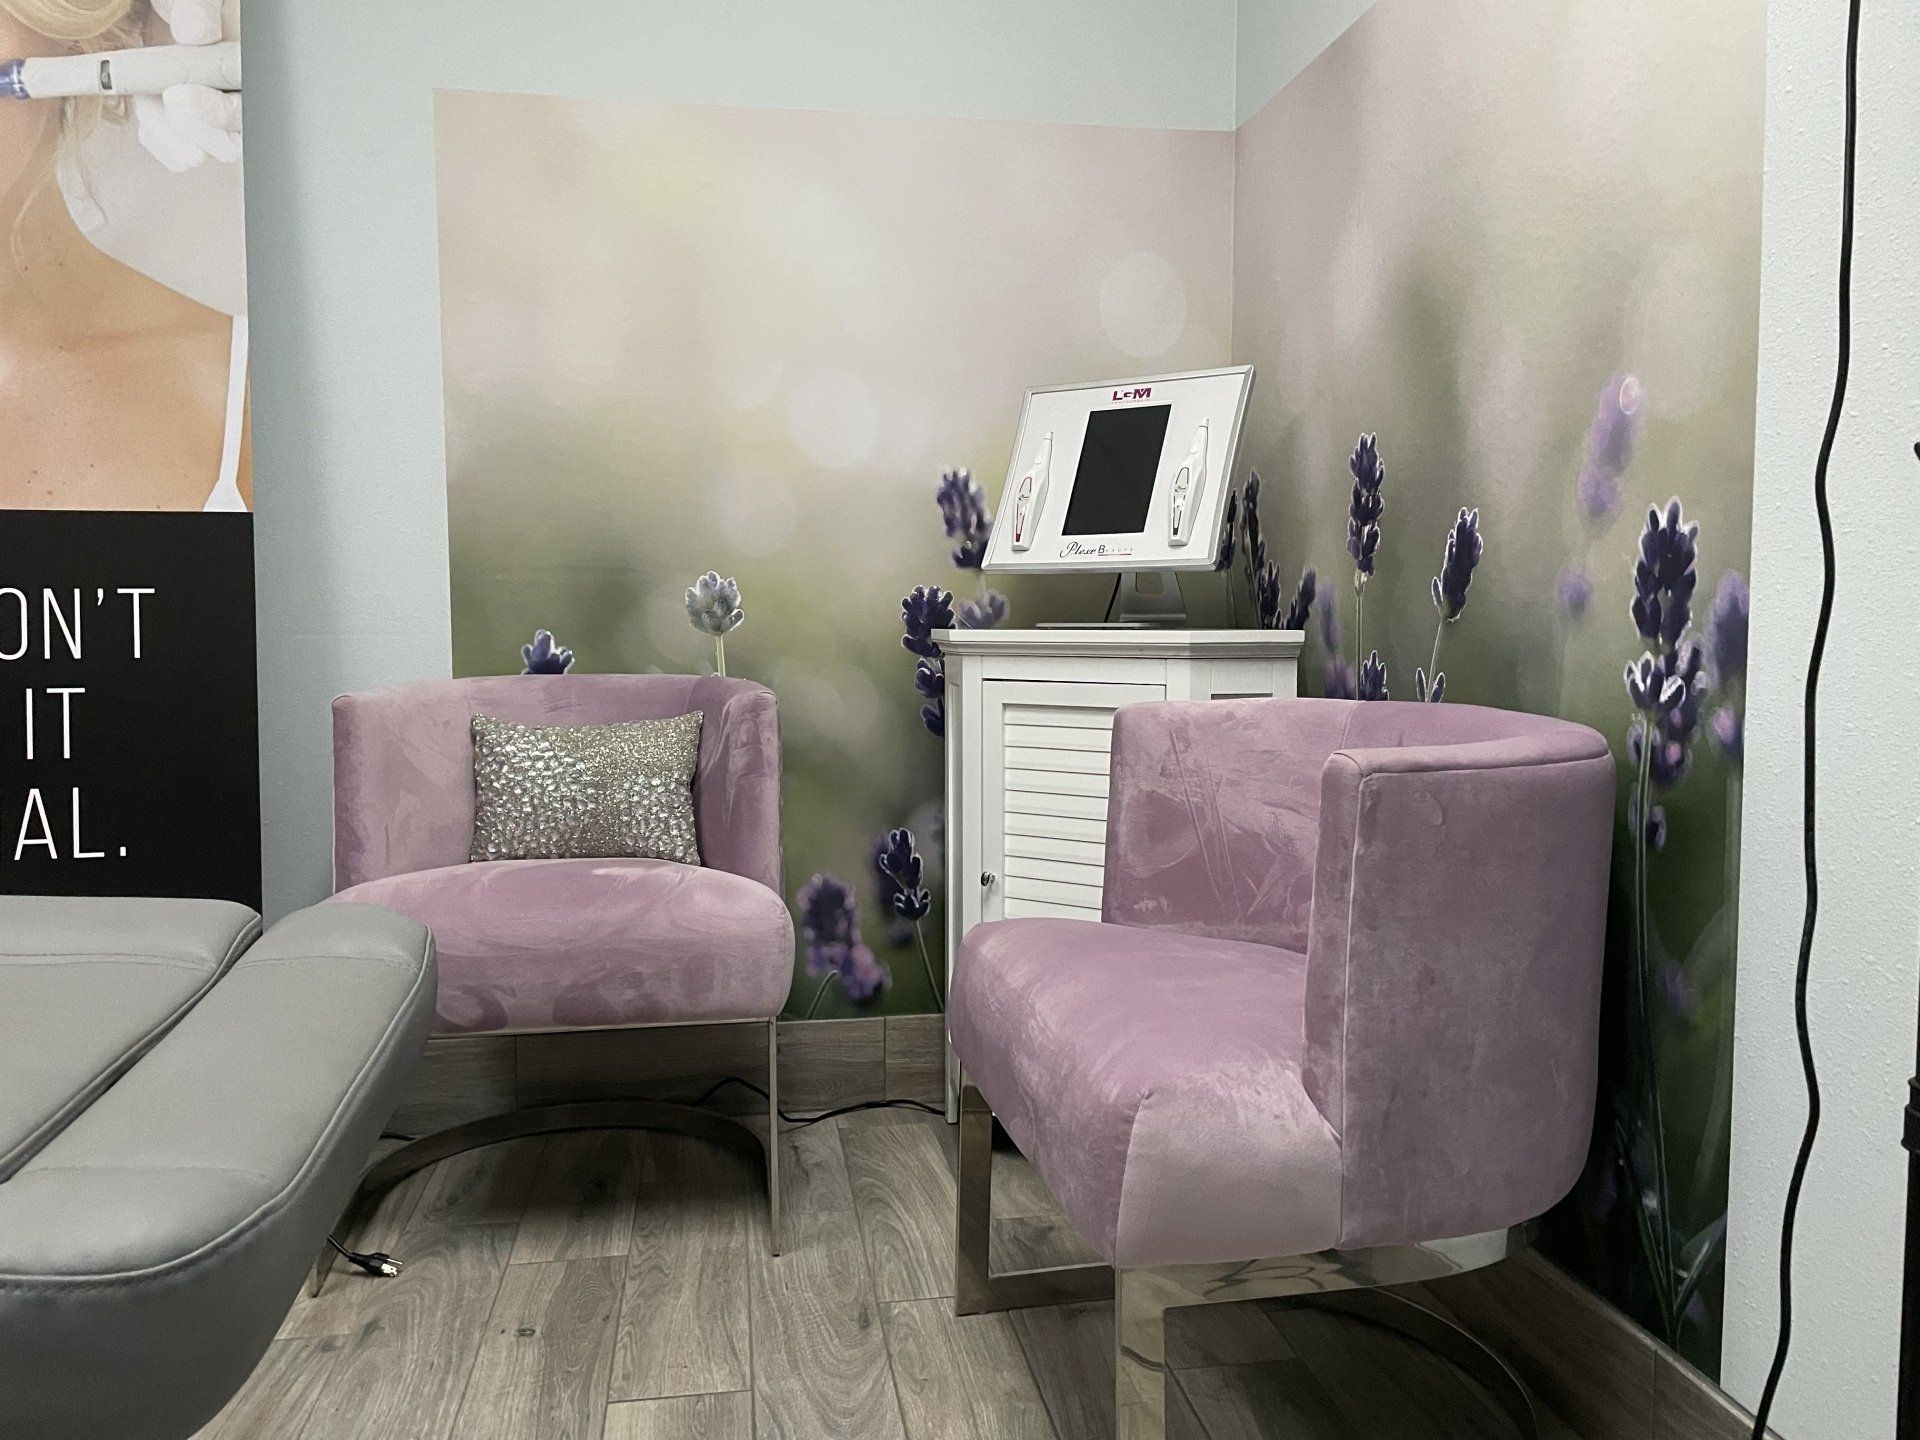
617 1286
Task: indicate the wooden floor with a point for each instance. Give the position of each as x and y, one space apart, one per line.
617 1286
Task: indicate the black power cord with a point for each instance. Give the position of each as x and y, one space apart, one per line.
1791 1212
800 1122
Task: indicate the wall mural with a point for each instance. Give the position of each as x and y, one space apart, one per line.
723 387
1515 247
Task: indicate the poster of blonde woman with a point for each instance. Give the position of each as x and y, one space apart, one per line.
128 745
122 316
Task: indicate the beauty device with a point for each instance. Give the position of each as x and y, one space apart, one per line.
145 71
1126 475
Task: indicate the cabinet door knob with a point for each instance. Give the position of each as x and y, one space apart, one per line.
987 877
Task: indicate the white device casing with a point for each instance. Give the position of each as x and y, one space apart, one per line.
1208 406
1188 484
149 70
1030 495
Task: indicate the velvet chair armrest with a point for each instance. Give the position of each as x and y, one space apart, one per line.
737 787
1454 972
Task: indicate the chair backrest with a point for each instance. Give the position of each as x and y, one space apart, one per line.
403 764
1444 868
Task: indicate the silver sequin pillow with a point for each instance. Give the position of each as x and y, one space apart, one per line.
575 792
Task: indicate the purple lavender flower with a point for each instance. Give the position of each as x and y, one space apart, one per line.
1373 678
1364 508
1727 629
1432 692
900 859
545 656
1301 605
1576 591
887 889
1610 441
982 614
927 609
1330 624
1229 532
1664 577
963 512
1266 596
1337 680
1253 543
1656 827
1729 733
930 679
1464 547
830 928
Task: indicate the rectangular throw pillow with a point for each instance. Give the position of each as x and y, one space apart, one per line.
577 792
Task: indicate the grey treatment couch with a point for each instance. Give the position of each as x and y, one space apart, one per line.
185 1107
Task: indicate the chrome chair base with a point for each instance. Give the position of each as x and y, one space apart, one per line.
661 1115
1343 1281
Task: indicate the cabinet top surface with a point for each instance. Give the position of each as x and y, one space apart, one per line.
1208 644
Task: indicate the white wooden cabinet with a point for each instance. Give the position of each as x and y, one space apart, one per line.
1029 729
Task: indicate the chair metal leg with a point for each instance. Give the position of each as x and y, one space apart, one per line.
1139 1358
1429 1328
773 1137
976 1288
547 1120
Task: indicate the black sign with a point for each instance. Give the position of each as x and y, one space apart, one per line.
128 715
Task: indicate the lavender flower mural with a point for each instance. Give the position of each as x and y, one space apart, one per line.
545 656
713 606
1373 679
982 614
964 517
886 890
1337 680
1364 508
1266 597
1665 686
963 511
926 609
1229 547
1229 533
1301 606
1604 461
1464 547
830 929
897 858
1253 546
1727 641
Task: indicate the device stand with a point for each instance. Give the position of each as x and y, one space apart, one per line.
1163 605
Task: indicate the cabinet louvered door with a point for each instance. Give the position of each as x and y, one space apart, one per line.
1044 795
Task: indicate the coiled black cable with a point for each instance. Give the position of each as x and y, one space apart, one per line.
1790 1213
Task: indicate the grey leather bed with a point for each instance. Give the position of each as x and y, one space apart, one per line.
185 1106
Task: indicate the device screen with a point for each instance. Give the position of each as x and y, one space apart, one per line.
1114 484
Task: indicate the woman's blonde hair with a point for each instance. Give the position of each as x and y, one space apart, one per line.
85 25
90 24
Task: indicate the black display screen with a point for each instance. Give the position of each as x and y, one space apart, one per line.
1114 484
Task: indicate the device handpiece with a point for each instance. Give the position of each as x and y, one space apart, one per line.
149 70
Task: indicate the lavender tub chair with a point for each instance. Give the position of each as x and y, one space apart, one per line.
536 946
1336 1029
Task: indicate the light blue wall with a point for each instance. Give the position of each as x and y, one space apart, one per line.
1277 38
346 362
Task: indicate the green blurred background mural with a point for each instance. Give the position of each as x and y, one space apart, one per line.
682 339
1517 241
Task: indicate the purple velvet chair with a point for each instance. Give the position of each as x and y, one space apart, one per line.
535 946
1336 1029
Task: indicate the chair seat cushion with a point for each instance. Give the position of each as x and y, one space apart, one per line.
1153 1080
528 945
